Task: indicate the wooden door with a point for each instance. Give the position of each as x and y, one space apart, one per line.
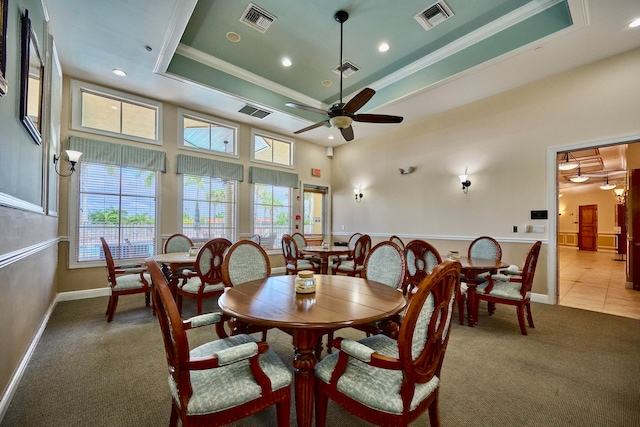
633 201
588 228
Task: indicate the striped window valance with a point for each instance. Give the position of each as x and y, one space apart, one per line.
273 177
109 153
207 167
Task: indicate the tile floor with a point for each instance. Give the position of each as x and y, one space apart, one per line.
595 281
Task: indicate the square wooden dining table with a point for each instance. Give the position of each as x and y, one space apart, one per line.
338 302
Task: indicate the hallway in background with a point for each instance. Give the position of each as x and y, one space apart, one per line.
595 281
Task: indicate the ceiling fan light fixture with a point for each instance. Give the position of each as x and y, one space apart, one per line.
341 122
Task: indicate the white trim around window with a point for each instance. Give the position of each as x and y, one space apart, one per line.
78 88
235 127
280 138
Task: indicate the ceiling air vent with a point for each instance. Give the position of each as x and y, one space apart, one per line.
434 15
257 18
347 68
254 111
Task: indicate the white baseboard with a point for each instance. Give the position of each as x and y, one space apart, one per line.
542 298
89 293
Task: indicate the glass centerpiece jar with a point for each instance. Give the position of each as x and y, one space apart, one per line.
305 282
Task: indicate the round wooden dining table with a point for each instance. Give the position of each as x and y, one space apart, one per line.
338 302
324 253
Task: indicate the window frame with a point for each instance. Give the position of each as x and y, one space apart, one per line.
181 206
182 112
78 88
280 138
252 227
74 200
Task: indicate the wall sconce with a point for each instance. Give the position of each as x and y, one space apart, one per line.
358 194
407 170
464 180
72 156
621 195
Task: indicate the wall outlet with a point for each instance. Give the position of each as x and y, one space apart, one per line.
515 228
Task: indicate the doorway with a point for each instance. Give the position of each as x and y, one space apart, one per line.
315 217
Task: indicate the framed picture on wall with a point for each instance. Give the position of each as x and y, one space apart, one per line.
3 46
31 81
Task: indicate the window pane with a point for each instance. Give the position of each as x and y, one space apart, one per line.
100 112
118 204
208 135
281 153
208 208
263 150
139 121
271 214
266 149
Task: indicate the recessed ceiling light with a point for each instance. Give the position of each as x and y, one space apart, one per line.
383 47
327 83
233 37
286 62
119 72
330 136
635 23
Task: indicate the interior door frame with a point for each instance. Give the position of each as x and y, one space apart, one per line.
327 207
552 205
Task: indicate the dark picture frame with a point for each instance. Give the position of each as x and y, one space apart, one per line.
31 81
4 5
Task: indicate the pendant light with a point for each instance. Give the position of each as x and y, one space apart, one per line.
607 185
566 164
579 177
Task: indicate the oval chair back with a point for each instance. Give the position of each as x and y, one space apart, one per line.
398 241
385 263
421 258
245 261
485 247
177 243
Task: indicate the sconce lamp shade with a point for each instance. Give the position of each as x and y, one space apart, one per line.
358 194
341 122
72 156
464 180
621 195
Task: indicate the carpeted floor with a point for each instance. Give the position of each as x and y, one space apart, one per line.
575 368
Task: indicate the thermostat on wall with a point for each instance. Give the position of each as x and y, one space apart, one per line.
539 215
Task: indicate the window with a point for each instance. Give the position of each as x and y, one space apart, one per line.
207 134
119 204
209 207
108 112
271 149
272 209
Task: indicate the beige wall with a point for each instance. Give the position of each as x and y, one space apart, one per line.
504 141
307 156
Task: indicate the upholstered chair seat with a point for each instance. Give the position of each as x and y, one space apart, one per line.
232 384
131 280
503 287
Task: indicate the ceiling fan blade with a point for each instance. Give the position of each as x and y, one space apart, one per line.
376 118
305 107
359 100
316 125
347 133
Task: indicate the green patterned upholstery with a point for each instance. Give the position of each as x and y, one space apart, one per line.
375 387
193 285
302 264
385 265
177 243
414 264
130 281
503 288
245 262
484 248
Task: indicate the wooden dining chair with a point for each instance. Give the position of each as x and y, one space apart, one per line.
391 382
512 290
485 247
124 280
246 261
177 243
220 381
301 241
354 266
422 257
293 263
351 244
206 280
397 240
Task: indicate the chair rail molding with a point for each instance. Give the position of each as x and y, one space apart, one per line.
15 256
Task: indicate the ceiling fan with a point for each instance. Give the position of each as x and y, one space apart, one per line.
341 115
